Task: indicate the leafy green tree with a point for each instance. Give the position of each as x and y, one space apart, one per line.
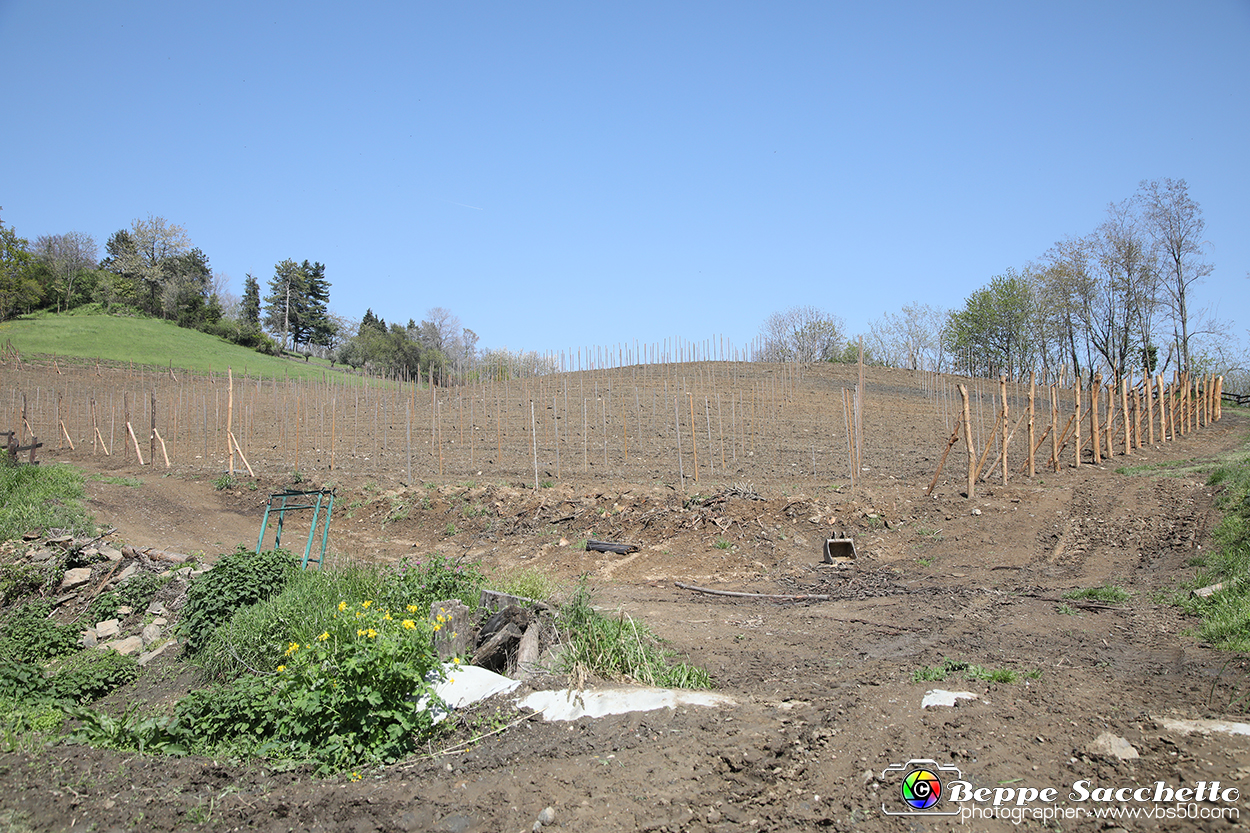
19 291
297 304
249 310
994 332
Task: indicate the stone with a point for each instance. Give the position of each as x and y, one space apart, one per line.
1108 745
160 620
89 553
76 577
108 629
110 553
125 610
126 573
941 697
89 639
151 633
41 555
148 656
547 816
126 647
156 609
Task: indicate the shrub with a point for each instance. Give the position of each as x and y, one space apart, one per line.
236 581
17 580
89 675
30 636
21 681
342 699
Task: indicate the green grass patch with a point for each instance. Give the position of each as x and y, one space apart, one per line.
1225 615
147 341
1107 594
133 482
35 498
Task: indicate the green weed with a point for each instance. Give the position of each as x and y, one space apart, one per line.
618 648
34 498
225 482
1108 594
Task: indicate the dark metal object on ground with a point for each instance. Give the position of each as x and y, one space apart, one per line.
606 546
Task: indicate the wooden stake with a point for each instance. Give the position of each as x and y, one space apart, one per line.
949 445
1128 427
235 442
66 433
694 439
1032 431
1150 404
230 416
972 452
1094 396
164 452
1002 387
138 452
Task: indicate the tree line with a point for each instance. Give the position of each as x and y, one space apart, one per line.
152 268
1117 300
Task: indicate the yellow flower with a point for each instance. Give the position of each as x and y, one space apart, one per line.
324 636
453 634
360 632
371 633
366 603
413 608
442 618
281 668
387 616
355 776
292 648
342 606
359 614
438 628
409 624
456 660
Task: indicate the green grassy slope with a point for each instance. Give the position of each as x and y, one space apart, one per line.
145 341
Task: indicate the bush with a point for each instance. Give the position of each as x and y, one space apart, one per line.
17 580
89 675
342 699
22 681
240 579
30 636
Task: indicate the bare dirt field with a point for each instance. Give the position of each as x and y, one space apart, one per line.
824 690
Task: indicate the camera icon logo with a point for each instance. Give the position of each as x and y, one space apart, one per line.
920 787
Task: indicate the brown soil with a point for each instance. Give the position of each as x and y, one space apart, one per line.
826 699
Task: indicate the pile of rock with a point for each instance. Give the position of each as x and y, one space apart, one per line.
94 566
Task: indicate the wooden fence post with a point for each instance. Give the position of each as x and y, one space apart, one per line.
972 452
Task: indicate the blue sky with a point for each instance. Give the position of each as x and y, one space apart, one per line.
569 174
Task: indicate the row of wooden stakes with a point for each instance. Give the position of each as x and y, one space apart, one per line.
1176 409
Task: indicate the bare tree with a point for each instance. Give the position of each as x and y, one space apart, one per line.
1176 224
67 255
911 339
801 334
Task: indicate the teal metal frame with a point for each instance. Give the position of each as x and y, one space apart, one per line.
289 500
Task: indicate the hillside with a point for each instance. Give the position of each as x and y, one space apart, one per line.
147 341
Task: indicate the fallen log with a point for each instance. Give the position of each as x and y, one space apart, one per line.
606 546
772 597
